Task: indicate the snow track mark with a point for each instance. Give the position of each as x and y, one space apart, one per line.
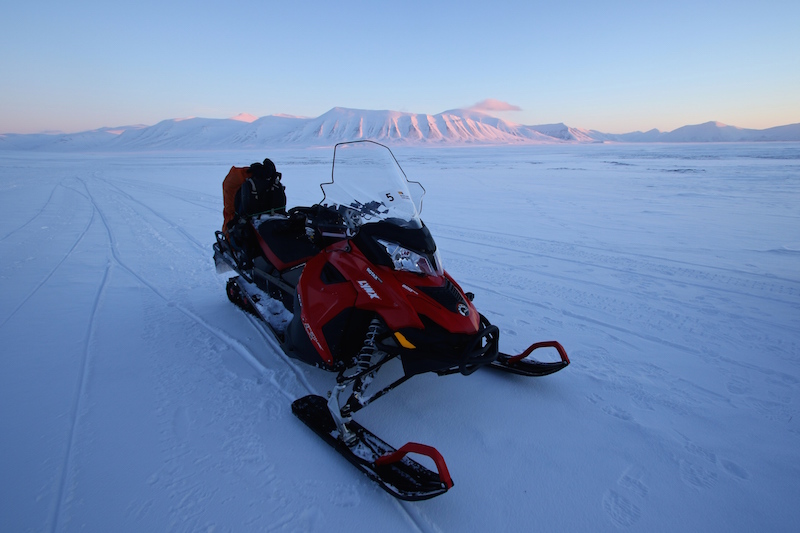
622 502
634 265
241 447
172 225
77 403
49 275
180 194
227 339
34 217
620 509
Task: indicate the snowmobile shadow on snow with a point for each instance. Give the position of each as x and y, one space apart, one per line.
351 284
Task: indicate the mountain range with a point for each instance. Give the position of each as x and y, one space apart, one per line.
454 127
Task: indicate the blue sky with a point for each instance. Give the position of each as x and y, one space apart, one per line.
614 66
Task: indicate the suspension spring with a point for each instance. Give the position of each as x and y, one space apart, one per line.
366 357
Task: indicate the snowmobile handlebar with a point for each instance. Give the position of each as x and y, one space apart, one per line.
324 226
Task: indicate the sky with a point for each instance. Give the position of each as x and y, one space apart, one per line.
615 66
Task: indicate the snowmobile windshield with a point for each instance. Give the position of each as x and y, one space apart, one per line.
368 185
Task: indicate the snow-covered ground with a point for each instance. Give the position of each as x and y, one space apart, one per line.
135 397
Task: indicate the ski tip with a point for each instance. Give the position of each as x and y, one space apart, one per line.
421 449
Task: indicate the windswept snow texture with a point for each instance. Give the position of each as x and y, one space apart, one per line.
136 397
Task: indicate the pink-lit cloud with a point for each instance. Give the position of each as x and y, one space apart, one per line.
490 104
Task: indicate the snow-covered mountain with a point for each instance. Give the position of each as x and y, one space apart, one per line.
457 126
712 132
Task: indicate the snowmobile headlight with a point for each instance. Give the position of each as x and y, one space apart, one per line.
411 261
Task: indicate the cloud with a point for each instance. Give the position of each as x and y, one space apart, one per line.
490 104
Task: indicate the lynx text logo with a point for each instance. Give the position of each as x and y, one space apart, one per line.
366 287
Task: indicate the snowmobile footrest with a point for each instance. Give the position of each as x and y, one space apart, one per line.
518 364
390 468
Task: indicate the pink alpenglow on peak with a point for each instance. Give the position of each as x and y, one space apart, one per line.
245 117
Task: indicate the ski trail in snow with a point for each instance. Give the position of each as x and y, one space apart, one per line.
177 227
168 191
35 216
534 246
511 296
78 400
234 343
246 354
278 350
416 519
594 291
52 271
693 274
412 515
180 487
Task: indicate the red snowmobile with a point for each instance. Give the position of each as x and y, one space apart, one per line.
355 285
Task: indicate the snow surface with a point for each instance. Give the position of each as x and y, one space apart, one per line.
135 397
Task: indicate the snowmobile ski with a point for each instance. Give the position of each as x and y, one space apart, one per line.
522 365
390 468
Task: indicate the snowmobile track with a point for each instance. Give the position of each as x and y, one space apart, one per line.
177 227
49 275
35 216
78 401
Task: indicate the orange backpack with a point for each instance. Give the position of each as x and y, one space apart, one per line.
230 187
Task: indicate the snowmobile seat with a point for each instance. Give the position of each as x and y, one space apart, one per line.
283 241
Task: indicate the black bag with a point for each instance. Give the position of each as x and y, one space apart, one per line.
261 193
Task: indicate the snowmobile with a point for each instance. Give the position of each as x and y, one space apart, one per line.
355 284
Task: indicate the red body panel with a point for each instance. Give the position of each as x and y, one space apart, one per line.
394 295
